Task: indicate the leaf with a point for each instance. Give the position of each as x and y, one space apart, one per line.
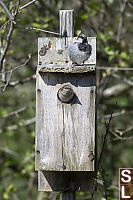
113 188
110 2
6 195
36 25
124 55
100 181
10 188
93 6
109 51
85 16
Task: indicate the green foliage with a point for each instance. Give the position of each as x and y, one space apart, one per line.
17 134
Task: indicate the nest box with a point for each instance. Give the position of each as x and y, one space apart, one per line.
65 114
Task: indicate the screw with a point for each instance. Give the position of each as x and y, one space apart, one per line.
37 151
63 167
38 90
60 51
91 155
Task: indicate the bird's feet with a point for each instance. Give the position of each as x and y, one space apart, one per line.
83 64
74 64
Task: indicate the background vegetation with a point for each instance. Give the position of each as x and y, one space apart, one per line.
111 22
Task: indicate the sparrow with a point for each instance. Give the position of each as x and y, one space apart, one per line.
79 52
65 93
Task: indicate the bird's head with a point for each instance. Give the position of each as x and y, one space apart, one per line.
84 38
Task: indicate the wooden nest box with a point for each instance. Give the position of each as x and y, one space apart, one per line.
65 154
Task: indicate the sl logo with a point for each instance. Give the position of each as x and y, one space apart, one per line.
126 183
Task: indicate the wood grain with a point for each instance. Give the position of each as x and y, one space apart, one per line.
66 68
65 132
53 50
66 23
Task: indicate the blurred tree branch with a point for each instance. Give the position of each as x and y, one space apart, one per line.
104 183
7 44
115 68
118 137
14 83
123 8
26 5
107 125
117 114
9 151
17 67
13 113
125 80
12 18
8 39
6 9
16 126
37 29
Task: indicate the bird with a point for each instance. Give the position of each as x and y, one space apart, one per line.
65 93
79 52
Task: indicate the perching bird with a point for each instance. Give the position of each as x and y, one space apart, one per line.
79 52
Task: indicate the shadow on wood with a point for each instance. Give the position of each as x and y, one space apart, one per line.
87 79
66 181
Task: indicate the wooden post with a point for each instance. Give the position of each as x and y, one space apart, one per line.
65 127
66 23
67 30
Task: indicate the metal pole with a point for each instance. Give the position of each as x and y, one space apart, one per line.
69 196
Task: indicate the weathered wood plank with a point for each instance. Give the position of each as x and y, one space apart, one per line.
65 132
38 121
66 23
53 50
66 68
43 184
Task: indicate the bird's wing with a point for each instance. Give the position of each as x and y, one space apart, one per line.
82 47
85 48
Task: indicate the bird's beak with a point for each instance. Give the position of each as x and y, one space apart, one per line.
78 34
